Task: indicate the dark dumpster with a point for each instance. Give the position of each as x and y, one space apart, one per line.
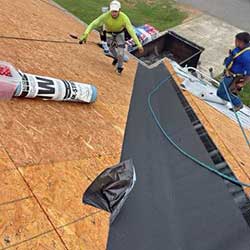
172 46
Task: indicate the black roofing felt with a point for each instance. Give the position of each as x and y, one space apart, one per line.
175 204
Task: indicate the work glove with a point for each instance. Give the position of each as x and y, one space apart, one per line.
83 39
141 50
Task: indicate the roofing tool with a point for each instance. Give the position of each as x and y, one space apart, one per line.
73 36
35 40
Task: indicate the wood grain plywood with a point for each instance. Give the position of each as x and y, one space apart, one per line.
12 187
20 221
37 132
89 234
58 147
47 241
100 164
5 162
60 187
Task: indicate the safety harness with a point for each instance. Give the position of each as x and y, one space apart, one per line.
236 56
114 43
239 79
115 33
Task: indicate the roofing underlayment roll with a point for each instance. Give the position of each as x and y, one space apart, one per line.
18 84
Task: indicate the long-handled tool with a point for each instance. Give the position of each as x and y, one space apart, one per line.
74 36
35 40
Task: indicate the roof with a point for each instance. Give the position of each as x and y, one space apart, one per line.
225 133
50 152
175 203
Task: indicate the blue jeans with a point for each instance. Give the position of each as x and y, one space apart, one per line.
221 92
117 47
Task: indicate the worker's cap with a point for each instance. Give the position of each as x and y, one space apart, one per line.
115 6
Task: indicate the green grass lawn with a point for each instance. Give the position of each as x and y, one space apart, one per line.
245 95
162 14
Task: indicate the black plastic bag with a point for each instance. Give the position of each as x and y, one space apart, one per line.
111 188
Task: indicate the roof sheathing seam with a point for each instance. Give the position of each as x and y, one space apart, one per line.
39 203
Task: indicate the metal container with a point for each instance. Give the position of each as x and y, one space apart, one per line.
172 46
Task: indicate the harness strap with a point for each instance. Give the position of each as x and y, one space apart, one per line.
115 33
236 56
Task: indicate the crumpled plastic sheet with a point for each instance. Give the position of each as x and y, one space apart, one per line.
111 188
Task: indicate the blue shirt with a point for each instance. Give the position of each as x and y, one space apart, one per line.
241 64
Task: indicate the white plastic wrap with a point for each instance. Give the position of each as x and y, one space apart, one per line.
9 80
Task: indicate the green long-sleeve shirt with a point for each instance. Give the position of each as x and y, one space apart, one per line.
113 25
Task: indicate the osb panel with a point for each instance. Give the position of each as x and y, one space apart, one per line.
21 221
95 166
116 113
36 132
120 113
225 133
48 241
33 22
41 132
12 187
89 234
5 161
60 187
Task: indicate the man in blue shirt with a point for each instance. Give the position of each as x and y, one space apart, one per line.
237 70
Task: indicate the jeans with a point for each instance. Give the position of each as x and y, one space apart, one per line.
221 92
116 45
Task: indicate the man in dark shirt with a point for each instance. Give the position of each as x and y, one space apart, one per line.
237 70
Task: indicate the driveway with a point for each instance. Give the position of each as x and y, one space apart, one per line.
235 12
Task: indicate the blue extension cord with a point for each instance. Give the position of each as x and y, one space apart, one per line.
182 151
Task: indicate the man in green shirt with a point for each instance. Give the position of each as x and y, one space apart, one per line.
115 23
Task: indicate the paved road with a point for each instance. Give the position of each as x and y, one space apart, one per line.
235 12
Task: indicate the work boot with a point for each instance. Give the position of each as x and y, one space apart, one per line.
237 108
105 47
119 71
115 61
